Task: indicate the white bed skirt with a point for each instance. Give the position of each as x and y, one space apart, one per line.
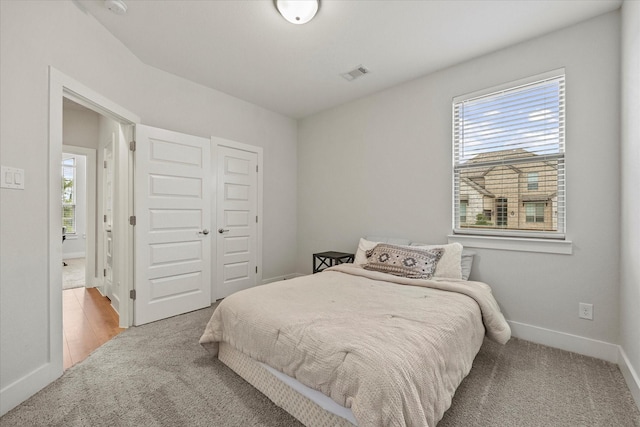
310 407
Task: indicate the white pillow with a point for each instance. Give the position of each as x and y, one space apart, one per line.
450 265
390 240
467 263
361 254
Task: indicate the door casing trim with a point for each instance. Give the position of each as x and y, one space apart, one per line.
62 86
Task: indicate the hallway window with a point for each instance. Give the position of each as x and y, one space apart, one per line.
69 194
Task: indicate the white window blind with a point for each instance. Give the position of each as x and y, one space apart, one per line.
508 154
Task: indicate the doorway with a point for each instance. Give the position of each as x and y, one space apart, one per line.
123 219
78 214
74 213
63 87
90 317
501 212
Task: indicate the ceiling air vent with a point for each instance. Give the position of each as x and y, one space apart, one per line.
359 71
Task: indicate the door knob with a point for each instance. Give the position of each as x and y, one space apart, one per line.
205 231
222 230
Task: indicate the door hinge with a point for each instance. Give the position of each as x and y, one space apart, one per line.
132 220
256 269
105 164
132 294
256 168
104 272
256 218
104 219
132 145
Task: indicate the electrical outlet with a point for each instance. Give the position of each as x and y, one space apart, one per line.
585 311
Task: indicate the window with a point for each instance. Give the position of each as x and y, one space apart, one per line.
463 211
534 212
532 181
508 149
69 195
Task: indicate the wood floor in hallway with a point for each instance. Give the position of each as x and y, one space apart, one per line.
88 322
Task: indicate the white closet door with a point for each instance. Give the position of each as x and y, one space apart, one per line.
173 219
237 201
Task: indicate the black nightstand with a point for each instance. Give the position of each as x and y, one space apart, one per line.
323 260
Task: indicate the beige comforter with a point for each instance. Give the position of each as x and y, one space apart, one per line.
394 354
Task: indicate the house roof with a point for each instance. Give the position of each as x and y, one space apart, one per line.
518 153
479 188
538 197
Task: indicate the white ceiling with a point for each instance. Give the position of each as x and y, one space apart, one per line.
246 49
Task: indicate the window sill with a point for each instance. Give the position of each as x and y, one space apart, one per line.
549 246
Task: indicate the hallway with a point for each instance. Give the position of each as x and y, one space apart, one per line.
88 322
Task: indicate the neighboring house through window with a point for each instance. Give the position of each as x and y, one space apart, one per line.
534 212
69 195
532 181
463 211
509 169
502 206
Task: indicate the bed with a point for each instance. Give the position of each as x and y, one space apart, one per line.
355 345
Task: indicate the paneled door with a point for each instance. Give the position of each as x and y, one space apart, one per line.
237 218
172 189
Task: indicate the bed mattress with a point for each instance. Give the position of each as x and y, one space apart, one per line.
390 349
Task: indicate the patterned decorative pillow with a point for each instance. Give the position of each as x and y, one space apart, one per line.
403 261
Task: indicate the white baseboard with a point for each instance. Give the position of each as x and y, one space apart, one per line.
279 278
630 375
25 387
569 342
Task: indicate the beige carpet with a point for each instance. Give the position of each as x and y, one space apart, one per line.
158 375
73 273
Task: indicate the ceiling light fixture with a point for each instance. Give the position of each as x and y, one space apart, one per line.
297 11
116 6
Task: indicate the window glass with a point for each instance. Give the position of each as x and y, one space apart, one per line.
532 181
463 211
509 160
534 212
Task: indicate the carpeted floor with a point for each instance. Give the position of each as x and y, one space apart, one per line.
158 375
73 273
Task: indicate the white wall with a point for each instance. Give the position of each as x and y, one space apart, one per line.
37 34
80 128
382 166
630 227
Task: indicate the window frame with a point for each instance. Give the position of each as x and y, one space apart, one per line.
560 215
533 184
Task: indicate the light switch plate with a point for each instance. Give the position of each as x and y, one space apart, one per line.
12 178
